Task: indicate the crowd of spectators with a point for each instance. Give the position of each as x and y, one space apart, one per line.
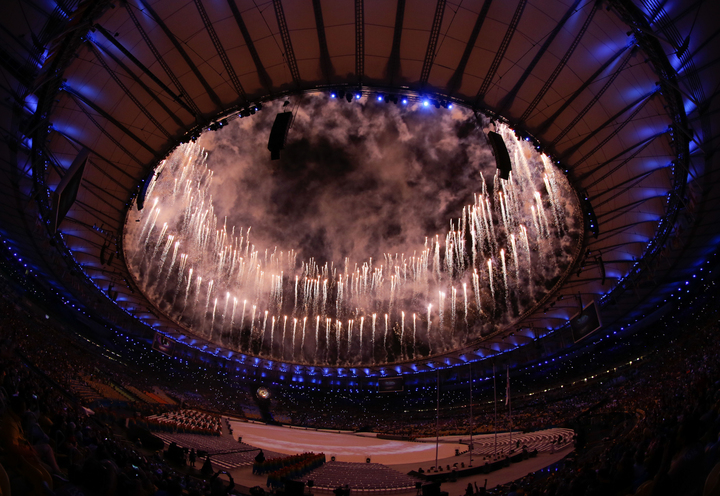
51 444
670 444
291 467
661 415
74 364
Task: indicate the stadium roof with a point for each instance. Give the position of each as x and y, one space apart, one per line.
623 93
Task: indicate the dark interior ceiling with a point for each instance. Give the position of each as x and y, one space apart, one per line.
623 93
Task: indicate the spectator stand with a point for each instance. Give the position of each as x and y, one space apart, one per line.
186 421
359 477
546 441
224 453
289 467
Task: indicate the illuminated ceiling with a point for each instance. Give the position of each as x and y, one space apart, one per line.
623 93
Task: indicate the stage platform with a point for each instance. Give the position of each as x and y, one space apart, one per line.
344 446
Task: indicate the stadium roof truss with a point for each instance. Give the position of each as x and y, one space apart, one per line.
622 93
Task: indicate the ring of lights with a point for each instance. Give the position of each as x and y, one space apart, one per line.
628 12
516 243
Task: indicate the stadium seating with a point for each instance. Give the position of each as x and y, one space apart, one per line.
359 477
542 441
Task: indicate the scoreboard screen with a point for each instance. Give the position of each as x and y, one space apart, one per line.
391 384
586 322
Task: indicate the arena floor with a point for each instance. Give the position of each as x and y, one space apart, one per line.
345 447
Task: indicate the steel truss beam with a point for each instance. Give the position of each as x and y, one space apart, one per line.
193 108
106 192
633 182
103 196
95 212
619 212
181 51
393 65
500 54
92 243
359 39
640 176
640 147
546 124
99 155
432 42
455 80
325 63
642 101
220 49
127 92
624 243
145 70
287 43
140 83
78 97
561 65
619 230
508 99
579 116
262 73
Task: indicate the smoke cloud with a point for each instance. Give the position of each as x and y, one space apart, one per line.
382 234
355 180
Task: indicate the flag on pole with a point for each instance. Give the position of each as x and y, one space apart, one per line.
507 388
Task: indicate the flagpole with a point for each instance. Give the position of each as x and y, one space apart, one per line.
471 413
508 402
437 420
495 421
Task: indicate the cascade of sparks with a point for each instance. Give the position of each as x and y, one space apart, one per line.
511 228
